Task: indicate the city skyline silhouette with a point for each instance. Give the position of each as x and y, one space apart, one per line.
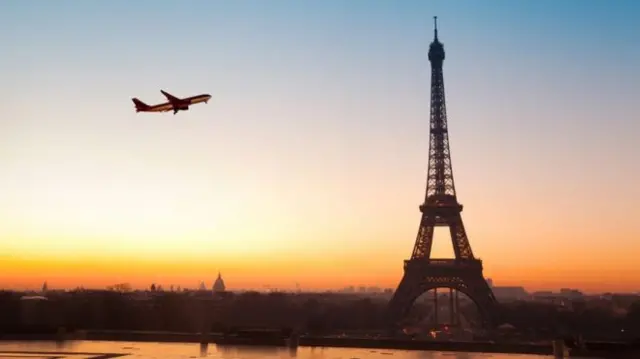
308 163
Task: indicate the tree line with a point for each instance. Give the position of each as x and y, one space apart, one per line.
311 313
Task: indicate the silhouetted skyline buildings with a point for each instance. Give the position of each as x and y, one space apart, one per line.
501 291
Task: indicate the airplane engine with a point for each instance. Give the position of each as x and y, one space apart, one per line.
184 108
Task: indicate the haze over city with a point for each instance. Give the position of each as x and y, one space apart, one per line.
308 164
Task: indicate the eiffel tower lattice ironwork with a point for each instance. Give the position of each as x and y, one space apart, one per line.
441 208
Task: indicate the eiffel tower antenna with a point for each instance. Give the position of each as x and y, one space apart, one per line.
435 27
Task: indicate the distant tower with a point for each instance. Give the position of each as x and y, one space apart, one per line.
441 208
218 285
45 287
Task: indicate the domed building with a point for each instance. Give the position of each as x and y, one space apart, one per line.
218 285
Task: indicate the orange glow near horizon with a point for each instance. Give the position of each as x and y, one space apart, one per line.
327 268
324 230
312 275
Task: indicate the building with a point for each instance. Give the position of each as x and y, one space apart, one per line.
571 293
510 293
218 285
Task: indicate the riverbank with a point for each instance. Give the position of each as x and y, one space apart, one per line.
57 354
598 350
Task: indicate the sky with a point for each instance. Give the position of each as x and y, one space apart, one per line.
309 162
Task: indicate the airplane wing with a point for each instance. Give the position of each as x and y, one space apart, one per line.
171 98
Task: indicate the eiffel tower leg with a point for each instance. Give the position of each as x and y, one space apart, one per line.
436 308
459 239
400 303
481 294
457 309
451 314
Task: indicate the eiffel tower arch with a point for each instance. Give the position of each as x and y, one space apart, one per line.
463 273
423 276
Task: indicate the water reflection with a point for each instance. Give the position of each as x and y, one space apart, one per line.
255 351
138 350
452 355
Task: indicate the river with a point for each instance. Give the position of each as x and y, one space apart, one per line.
137 350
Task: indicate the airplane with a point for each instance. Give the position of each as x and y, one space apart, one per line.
176 104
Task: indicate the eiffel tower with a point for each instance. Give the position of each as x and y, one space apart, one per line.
441 208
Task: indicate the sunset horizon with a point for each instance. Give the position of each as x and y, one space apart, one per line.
30 274
309 162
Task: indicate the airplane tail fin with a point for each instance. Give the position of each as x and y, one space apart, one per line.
140 106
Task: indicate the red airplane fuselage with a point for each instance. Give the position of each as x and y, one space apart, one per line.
176 104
